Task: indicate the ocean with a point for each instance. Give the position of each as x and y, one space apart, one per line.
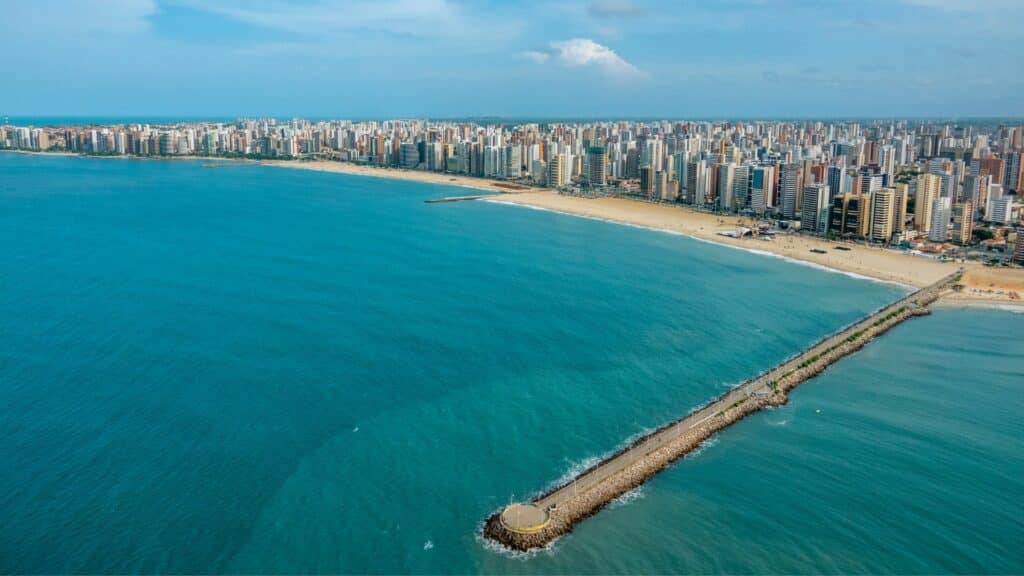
248 369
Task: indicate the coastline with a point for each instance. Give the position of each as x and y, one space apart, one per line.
859 261
488 185
126 156
981 285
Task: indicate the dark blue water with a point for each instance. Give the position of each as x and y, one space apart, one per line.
249 369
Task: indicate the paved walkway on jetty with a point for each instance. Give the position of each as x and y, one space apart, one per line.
767 388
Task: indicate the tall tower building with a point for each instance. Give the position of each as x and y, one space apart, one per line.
883 215
725 184
1012 181
597 173
814 212
556 171
963 223
928 190
938 230
789 200
741 178
761 182
696 182
836 175
647 181
902 195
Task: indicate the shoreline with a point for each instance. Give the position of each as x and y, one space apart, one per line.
127 156
859 261
749 250
421 176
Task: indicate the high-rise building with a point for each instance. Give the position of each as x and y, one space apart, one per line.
761 182
994 167
724 184
814 212
741 176
696 182
999 209
1018 251
851 215
883 215
662 188
938 230
963 222
647 181
409 155
789 199
928 189
556 171
597 174
836 177
1012 180
902 195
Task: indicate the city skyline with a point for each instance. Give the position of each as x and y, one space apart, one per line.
440 59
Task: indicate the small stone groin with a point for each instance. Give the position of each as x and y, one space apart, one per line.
596 487
455 198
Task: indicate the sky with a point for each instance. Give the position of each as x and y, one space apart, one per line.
461 58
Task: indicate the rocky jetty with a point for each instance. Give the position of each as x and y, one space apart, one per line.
593 489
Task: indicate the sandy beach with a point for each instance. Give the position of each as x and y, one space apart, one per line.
400 174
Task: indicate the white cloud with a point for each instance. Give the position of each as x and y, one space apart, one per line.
85 18
585 52
326 18
536 55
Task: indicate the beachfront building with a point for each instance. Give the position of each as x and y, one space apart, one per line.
647 181
761 183
696 182
848 216
556 171
883 215
788 185
597 173
902 196
938 229
1018 252
928 187
814 214
963 223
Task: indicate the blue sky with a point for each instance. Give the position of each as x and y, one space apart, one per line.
445 58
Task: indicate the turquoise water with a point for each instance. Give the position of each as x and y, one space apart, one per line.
261 370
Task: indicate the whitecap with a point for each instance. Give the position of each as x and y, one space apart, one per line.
502 550
633 495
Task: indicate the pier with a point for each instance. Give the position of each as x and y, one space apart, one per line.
456 198
534 524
